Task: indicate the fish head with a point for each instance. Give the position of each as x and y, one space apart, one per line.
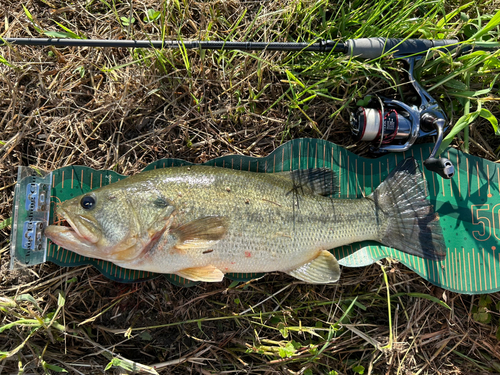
111 224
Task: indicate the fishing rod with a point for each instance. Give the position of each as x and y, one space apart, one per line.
391 125
367 48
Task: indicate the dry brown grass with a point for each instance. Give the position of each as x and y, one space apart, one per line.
122 115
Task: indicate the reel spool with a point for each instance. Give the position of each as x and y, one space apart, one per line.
371 125
395 126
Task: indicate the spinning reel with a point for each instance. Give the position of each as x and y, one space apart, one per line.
392 125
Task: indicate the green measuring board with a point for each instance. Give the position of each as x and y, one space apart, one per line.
468 206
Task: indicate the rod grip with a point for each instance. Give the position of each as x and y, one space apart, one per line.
371 48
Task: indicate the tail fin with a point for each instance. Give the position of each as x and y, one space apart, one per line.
413 226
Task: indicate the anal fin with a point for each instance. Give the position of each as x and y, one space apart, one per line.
323 269
207 273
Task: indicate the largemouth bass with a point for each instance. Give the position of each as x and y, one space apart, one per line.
201 222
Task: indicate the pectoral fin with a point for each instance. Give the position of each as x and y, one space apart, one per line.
201 233
207 273
324 269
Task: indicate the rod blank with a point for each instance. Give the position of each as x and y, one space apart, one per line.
321 46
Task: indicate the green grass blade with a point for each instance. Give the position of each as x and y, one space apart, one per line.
494 22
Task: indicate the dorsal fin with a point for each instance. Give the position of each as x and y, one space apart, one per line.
320 181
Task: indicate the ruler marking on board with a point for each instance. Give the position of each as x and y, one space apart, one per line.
72 177
371 174
495 267
364 182
478 184
348 180
442 186
356 177
451 185
448 272
452 271
449 269
300 151
468 177
465 271
379 172
474 265
282 159
489 268
460 271
458 173
100 180
62 181
488 177
316 156
324 156
498 178
307 157
456 266
433 180
428 268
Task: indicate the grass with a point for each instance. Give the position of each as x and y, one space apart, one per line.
122 109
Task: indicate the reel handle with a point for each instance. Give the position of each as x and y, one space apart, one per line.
441 166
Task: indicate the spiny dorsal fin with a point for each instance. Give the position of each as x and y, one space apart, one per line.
321 181
207 273
323 269
200 233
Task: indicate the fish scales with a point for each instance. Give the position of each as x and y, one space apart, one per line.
200 222
271 226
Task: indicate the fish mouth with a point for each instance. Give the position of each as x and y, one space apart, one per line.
77 238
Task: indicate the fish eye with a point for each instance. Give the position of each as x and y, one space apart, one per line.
87 202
